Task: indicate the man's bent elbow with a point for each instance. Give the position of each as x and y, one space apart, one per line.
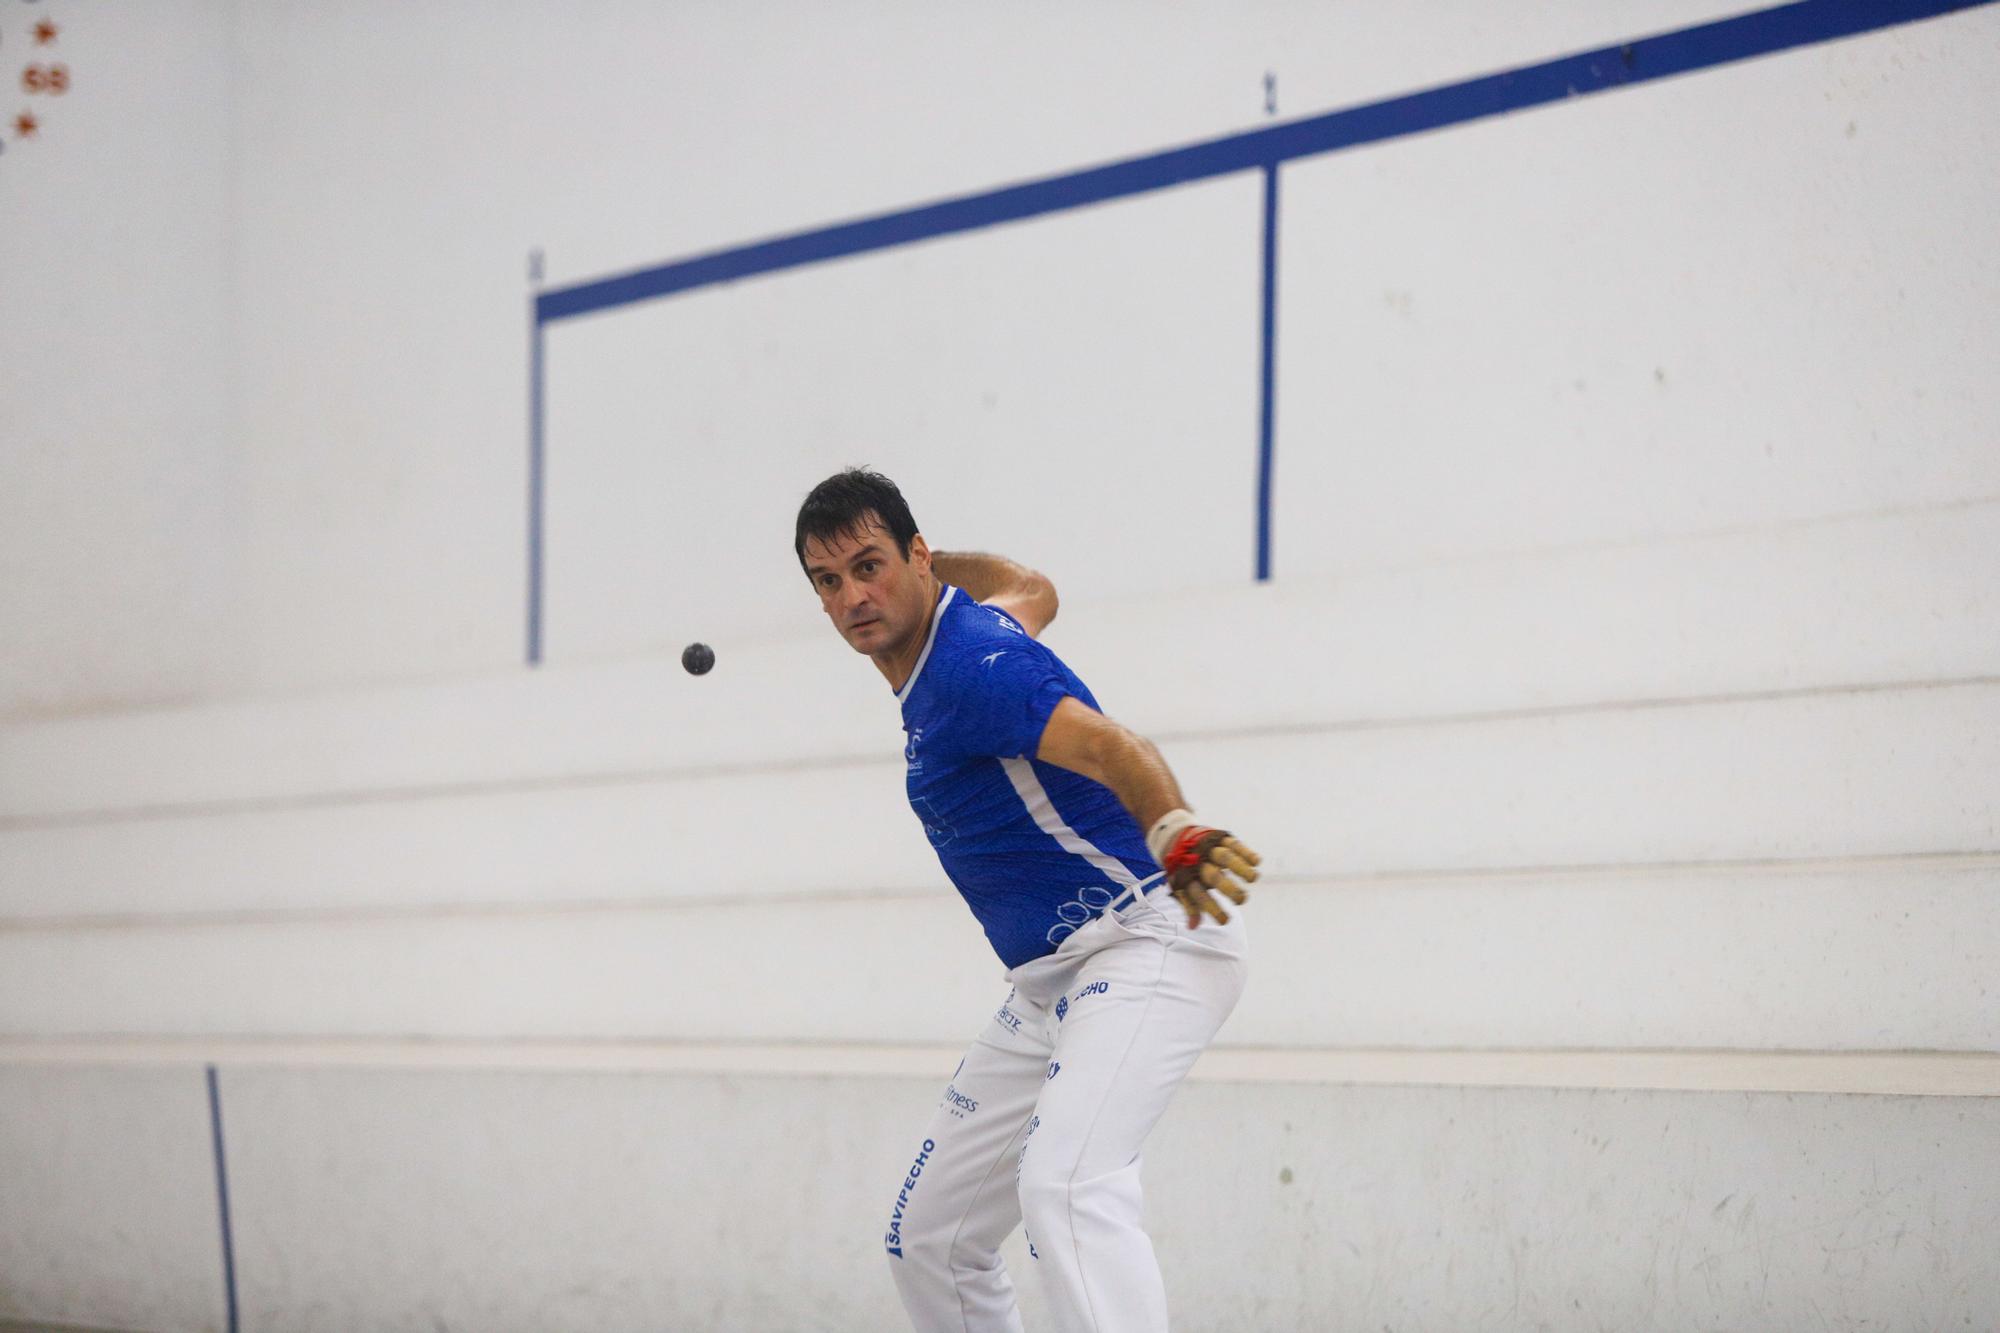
1032 602
1045 593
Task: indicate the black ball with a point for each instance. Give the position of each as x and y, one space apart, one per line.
697 658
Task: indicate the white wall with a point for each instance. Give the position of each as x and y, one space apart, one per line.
119 559
1626 693
379 1198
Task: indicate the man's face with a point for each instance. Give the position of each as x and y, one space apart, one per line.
874 596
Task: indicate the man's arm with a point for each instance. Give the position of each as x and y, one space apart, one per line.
1019 591
1197 858
1083 740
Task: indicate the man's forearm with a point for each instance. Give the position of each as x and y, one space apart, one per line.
1199 860
984 576
1203 865
1026 595
1139 777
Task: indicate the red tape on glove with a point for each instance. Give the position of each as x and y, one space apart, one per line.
1190 848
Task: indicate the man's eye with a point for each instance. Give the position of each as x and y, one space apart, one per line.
868 566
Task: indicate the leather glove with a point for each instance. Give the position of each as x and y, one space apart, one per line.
1201 862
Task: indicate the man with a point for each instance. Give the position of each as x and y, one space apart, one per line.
1071 842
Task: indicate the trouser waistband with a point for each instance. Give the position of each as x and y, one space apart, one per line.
1133 894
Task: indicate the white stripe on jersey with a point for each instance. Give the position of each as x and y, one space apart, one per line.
937 618
1043 811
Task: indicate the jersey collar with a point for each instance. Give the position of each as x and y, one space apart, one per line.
937 618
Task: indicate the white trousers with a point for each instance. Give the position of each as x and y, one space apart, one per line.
1044 1120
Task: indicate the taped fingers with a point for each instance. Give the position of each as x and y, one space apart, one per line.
1196 900
1214 876
1236 865
1236 845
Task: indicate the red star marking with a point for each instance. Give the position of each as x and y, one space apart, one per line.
24 125
45 32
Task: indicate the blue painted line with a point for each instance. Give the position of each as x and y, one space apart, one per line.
536 465
222 1196
1267 396
1642 60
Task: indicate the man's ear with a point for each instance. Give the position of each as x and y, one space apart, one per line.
920 551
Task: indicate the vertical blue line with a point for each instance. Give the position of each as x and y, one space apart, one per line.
535 489
222 1196
1266 409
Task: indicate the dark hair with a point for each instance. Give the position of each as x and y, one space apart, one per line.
841 505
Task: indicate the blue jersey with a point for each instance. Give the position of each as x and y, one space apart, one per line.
1036 850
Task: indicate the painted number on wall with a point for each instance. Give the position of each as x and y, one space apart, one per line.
41 76
45 79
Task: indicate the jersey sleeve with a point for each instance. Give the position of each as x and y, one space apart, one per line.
1001 700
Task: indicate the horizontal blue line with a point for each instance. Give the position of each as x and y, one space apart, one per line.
1705 46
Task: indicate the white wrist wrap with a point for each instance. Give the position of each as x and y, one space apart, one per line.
1165 829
